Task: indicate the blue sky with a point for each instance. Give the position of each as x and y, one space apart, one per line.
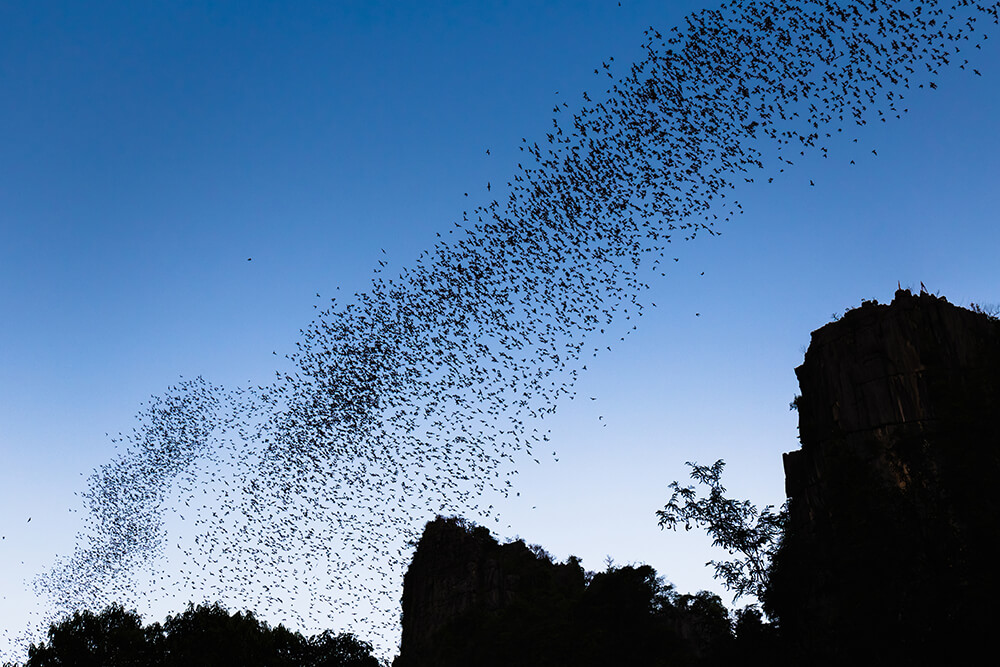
147 150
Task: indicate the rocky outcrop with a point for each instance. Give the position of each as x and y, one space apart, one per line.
893 506
468 600
461 576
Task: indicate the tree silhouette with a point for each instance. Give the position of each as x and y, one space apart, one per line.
735 525
113 638
200 636
208 636
329 649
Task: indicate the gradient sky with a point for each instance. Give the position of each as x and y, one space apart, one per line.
148 149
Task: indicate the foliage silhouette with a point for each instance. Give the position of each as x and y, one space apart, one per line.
329 649
202 636
735 525
113 638
209 636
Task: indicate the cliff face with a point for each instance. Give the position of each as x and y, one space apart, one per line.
893 508
468 600
461 576
454 570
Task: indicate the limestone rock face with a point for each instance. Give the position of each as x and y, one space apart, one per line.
469 601
460 574
894 518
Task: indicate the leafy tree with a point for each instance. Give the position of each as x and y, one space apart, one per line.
206 635
624 619
210 636
735 525
113 638
705 610
337 650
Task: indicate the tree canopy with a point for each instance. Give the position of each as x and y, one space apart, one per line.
200 636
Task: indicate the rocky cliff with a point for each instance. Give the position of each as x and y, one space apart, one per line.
468 600
893 505
460 577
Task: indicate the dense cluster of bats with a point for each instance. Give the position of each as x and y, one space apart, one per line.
300 499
